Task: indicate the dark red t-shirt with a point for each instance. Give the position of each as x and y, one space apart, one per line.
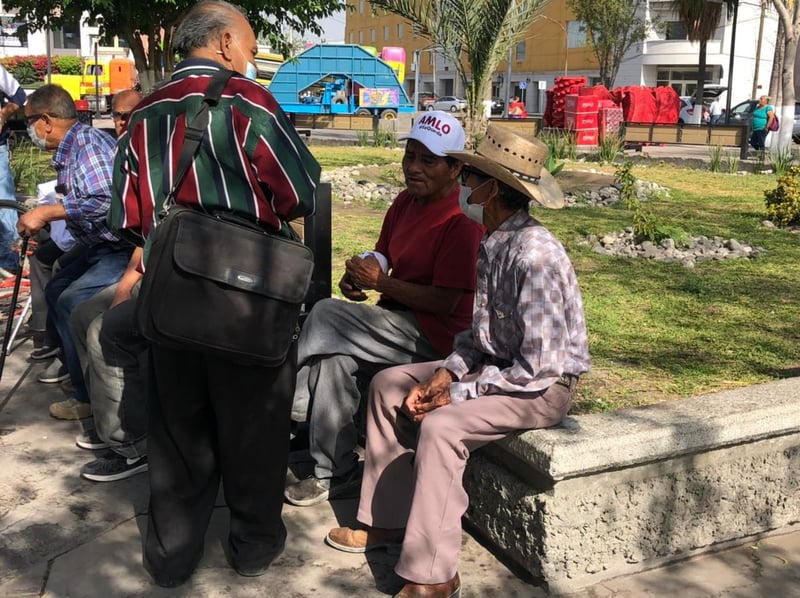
433 244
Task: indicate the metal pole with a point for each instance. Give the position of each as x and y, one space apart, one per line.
508 84
416 80
730 61
48 33
96 77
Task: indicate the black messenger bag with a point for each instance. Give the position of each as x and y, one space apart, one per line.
220 284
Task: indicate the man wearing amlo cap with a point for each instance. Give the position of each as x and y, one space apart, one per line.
516 368
423 266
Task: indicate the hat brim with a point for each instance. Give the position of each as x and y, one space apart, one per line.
547 192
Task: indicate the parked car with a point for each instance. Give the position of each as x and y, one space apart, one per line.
451 103
710 93
743 113
498 105
426 98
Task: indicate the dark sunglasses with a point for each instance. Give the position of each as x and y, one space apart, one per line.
29 120
468 171
120 115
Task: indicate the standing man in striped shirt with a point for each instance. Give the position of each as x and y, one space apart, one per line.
212 417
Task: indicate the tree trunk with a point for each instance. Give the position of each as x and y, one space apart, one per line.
697 114
775 80
783 138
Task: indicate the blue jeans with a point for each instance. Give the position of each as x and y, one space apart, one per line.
95 269
8 218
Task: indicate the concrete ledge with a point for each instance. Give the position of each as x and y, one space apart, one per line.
610 494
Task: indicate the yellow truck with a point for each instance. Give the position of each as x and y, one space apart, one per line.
101 79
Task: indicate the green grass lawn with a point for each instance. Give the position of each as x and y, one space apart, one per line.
657 331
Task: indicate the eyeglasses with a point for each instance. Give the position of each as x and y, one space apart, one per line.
120 115
468 171
29 120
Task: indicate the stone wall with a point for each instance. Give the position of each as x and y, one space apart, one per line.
611 494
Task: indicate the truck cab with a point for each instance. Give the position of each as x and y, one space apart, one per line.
101 79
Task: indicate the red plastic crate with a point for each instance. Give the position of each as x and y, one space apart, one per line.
581 121
578 103
586 137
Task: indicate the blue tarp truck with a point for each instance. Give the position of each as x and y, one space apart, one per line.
339 79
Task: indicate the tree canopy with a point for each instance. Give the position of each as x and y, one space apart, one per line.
155 20
613 26
475 35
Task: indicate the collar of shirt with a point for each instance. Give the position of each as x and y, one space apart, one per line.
195 66
64 148
495 242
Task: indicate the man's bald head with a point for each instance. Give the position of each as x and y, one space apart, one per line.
122 105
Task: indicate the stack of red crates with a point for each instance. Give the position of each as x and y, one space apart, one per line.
562 86
610 119
580 116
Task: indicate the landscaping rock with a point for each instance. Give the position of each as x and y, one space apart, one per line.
622 244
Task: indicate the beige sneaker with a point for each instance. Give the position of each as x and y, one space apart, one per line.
70 409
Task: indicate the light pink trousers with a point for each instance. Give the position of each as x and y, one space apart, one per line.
413 473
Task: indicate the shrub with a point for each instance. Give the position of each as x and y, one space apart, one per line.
67 65
645 227
783 202
610 147
715 153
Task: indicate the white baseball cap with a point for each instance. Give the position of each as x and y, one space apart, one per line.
439 131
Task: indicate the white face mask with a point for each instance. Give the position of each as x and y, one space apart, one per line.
251 72
37 141
473 211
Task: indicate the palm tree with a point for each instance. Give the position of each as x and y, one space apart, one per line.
479 31
701 18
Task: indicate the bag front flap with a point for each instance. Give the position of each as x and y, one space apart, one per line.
242 257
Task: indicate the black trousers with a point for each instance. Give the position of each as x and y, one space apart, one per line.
212 418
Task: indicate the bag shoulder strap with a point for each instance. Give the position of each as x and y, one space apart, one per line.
197 129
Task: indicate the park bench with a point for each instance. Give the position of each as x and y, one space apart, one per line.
639 134
611 494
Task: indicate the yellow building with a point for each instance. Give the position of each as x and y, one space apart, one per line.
552 46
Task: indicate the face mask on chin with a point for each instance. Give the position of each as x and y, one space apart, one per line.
251 72
37 141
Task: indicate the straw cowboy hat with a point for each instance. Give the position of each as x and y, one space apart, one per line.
516 161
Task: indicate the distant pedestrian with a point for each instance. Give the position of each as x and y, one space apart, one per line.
715 111
763 116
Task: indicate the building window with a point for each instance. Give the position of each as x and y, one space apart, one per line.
520 51
399 31
68 38
676 30
360 37
372 35
385 33
361 6
350 37
576 34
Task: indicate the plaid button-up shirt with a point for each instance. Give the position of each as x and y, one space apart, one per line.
84 161
528 326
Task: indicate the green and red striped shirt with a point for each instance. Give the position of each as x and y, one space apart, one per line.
251 160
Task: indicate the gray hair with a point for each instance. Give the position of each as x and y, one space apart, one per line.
53 100
204 23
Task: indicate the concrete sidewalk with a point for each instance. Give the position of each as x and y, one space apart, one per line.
65 536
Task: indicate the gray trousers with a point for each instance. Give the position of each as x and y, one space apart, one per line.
114 359
413 472
340 341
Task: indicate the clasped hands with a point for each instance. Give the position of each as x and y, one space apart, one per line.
428 395
360 274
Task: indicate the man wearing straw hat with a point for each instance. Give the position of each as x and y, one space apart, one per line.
516 368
